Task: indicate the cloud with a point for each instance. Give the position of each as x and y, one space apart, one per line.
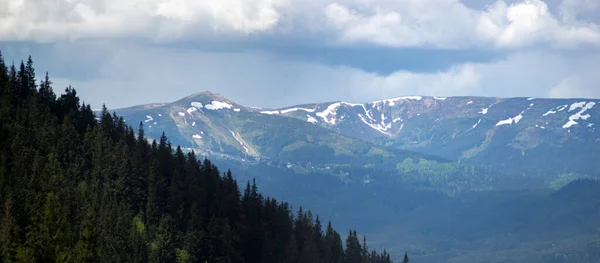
451 24
541 50
140 74
570 10
530 22
48 21
568 88
397 23
405 23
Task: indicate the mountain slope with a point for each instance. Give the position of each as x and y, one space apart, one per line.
541 138
504 226
524 135
216 126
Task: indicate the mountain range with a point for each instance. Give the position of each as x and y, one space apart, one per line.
531 136
452 179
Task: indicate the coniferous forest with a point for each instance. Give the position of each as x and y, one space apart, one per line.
75 187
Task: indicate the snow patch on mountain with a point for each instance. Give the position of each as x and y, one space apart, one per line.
470 102
439 98
236 138
510 121
351 104
555 110
159 115
475 126
369 114
376 127
270 112
193 124
569 124
181 114
552 111
197 105
392 101
310 119
236 110
296 109
484 111
149 118
579 115
563 108
190 110
217 105
577 105
329 115
196 136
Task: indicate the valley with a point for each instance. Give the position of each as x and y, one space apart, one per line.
446 178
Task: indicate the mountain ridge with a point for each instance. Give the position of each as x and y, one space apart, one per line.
212 124
488 166
489 131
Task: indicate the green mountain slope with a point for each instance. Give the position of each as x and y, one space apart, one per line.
214 125
531 136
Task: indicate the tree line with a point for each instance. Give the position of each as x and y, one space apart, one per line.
76 187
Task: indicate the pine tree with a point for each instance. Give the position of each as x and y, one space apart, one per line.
162 248
3 77
85 248
30 82
405 260
53 245
47 96
9 233
353 248
137 239
365 250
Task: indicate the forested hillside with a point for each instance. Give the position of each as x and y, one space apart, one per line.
79 188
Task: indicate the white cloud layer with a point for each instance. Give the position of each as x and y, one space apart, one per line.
142 75
552 50
43 20
397 23
451 24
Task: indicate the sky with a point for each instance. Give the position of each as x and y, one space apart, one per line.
276 53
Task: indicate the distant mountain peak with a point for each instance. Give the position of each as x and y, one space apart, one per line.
210 100
206 95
